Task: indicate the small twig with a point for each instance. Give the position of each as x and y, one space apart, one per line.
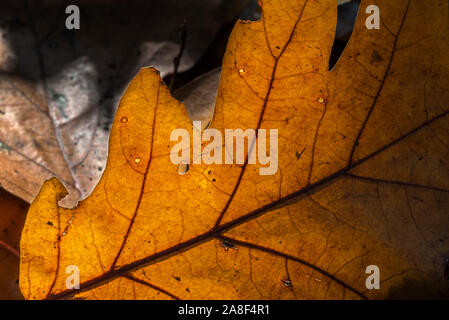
177 59
9 248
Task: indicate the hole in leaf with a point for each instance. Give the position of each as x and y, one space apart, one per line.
347 14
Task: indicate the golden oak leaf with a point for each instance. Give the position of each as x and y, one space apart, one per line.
362 178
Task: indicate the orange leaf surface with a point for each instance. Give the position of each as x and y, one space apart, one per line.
363 173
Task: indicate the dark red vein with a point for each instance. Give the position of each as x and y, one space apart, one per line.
152 286
264 106
145 176
289 257
315 138
164 254
381 87
402 183
58 255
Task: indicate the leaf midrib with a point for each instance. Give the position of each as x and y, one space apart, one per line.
162 255
217 230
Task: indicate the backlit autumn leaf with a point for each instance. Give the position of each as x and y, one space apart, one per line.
362 180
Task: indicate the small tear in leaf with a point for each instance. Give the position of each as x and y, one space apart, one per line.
287 283
183 167
228 245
